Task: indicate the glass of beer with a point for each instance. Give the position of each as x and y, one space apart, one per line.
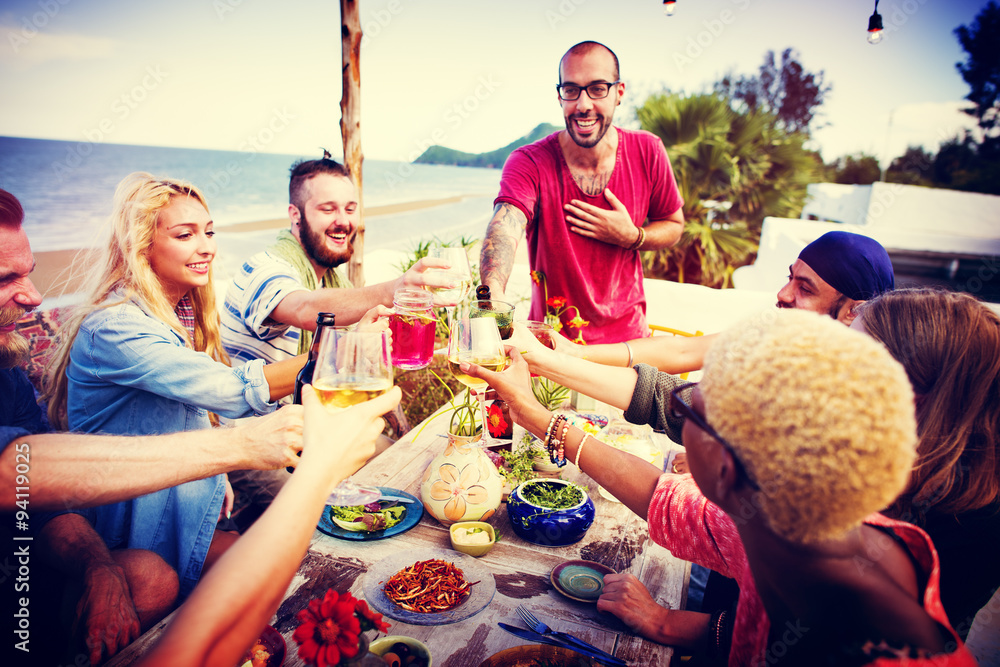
475 338
352 366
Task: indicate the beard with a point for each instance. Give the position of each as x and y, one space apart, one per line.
603 124
14 348
314 243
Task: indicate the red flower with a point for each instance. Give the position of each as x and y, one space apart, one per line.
328 630
556 302
498 426
537 277
370 619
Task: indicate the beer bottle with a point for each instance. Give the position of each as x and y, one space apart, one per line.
305 375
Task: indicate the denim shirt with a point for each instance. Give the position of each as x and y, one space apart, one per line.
131 374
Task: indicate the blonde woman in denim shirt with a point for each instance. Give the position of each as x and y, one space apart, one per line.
144 356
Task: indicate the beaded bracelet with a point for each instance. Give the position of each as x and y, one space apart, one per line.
548 431
562 443
552 441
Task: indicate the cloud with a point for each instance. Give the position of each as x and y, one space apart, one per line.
24 46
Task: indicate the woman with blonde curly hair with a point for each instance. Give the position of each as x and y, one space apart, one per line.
144 355
949 344
800 431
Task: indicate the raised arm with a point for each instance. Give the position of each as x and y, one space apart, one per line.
299 308
238 596
630 479
497 257
74 470
670 354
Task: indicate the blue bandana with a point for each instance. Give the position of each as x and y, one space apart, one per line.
856 266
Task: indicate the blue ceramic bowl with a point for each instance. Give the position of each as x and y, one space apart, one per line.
545 526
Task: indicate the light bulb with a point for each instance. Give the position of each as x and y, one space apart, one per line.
875 36
669 6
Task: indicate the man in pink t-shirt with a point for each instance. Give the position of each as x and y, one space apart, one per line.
588 198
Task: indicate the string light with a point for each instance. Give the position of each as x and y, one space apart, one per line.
669 6
875 26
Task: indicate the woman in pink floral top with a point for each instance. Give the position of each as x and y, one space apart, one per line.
800 431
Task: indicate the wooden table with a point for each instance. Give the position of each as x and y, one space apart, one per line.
617 538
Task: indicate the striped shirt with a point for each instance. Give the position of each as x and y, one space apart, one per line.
248 332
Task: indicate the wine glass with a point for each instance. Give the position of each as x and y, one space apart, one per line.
460 272
543 333
352 366
474 337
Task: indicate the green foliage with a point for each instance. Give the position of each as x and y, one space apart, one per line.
858 169
552 496
787 91
492 159
733 169
981 69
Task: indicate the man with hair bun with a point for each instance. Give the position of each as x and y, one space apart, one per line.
799 433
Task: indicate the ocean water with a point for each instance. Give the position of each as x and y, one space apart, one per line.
66 189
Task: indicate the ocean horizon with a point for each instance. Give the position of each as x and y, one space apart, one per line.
67 187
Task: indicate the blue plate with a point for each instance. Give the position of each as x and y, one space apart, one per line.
411 517
473 571
580 580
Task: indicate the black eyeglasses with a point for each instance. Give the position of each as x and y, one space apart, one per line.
595 91
681 410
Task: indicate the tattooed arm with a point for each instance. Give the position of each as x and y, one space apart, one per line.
497 257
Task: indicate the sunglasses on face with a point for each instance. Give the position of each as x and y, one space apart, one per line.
682 410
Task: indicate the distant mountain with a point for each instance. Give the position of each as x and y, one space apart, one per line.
493 159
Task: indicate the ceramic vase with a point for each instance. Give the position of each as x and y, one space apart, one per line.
461 484
545 526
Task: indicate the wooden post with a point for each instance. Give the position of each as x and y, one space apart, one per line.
350 123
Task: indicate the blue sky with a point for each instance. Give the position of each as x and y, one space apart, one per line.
469 74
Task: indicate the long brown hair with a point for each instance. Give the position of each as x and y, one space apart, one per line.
949 344
126 271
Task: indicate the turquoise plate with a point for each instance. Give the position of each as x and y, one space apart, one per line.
580 580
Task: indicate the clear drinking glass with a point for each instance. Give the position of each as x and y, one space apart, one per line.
413 326
352 366
460 272
474 337
501 311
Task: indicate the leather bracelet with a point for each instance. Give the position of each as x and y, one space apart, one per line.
639 240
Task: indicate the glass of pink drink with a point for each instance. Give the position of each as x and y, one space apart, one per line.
412 327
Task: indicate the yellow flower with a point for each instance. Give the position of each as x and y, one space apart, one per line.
459 488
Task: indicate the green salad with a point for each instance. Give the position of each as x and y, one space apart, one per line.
371 517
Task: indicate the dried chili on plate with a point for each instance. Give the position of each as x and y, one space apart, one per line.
428 586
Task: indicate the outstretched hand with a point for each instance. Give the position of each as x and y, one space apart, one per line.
513 385
419 277
338 443
614 227
272 441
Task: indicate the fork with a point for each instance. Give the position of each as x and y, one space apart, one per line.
532 622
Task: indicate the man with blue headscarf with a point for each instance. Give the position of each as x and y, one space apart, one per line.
835 273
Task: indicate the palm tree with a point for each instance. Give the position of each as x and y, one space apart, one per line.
733 169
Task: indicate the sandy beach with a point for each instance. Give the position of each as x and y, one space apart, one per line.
58 272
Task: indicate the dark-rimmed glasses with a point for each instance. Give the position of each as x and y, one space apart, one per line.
595 91
681 410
